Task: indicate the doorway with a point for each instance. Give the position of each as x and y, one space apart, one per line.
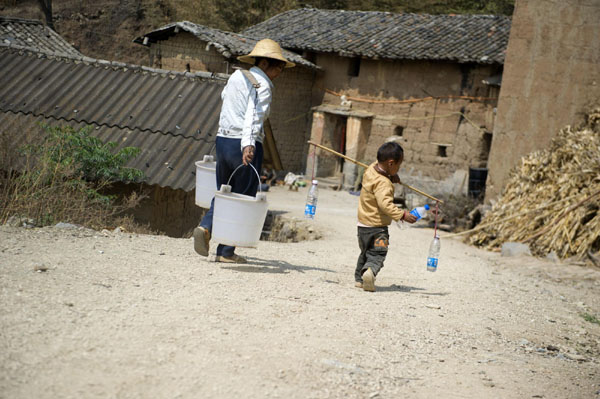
334 137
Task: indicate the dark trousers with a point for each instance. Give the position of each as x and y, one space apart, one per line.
244 181
373 243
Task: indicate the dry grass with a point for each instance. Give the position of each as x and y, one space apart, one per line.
557 194
33 187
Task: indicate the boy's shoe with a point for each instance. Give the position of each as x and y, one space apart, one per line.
201 240
358 284
369 280
235 258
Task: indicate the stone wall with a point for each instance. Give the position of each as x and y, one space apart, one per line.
290 113
551 77
438 141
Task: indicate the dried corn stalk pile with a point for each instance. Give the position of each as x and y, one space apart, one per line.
552 199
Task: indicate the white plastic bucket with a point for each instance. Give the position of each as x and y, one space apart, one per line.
206 181
238 219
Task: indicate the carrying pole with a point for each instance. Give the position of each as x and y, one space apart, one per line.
366 166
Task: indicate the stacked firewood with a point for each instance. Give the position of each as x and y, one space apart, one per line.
552 199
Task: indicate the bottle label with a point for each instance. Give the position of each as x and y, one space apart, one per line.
415 213
309 210
432 262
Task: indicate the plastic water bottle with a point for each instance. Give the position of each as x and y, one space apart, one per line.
434 254
311 201
420 211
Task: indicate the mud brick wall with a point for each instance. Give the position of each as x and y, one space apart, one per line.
551 77
185 52
290 112
437 140
167 211
291 116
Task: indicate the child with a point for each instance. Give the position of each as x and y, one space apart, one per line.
376 210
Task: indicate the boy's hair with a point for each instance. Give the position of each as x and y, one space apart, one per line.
390 150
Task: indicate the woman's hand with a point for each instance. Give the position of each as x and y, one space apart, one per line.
248 154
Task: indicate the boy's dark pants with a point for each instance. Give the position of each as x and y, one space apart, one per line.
373 243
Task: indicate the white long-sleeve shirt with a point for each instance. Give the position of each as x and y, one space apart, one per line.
245 108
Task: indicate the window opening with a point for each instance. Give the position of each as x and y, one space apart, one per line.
442 151
354 67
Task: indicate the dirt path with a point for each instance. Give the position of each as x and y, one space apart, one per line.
120 315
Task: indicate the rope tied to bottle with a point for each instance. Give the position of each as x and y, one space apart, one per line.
436 219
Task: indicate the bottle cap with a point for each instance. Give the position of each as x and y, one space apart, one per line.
315 182
427 206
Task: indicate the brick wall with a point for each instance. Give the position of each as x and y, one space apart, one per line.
437 140
290 112
551 77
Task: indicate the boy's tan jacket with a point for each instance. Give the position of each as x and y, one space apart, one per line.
376 205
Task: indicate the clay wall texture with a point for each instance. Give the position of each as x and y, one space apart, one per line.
551 77
162 209
425 126
438 141
290 112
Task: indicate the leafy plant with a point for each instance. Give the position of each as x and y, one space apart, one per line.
63 176
90 157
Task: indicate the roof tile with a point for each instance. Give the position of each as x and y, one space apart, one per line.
33 35
374 34
229 44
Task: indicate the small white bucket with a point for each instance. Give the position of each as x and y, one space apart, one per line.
238 219
206 181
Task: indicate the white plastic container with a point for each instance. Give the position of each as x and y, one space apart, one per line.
238 219
206 181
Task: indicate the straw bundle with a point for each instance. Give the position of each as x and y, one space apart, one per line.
552 199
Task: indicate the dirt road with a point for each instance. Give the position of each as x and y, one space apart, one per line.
137 316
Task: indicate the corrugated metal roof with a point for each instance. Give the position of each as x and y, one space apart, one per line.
167 161
33 35
229 44
173 117
373 34
109 93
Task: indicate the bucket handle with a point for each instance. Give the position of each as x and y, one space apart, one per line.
235 170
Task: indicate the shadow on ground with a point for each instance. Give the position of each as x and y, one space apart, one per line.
405 288
256 265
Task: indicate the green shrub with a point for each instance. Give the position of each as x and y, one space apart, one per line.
62 176
90 158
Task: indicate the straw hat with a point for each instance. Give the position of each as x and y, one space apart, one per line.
266 48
